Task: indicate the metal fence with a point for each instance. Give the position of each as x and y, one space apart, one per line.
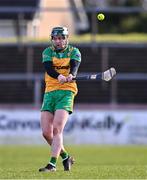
37 77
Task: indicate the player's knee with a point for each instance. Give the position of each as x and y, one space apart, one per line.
56 131
48 136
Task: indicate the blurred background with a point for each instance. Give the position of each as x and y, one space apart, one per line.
105 112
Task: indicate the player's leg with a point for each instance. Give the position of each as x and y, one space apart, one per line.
65 100
47 115
47 126
65 105
59 122
60 119
47 131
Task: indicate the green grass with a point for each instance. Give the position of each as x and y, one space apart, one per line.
112 38
92 162
87 38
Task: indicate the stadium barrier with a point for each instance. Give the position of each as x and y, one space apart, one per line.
84 127
37 79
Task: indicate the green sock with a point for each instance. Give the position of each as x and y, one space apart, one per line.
64 155
53 161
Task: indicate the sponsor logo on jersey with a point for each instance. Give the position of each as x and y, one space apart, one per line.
61 67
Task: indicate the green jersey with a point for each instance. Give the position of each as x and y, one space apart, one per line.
61 63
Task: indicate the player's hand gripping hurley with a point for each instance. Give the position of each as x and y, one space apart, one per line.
106 75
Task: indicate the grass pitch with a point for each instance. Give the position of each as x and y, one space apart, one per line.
92 162
87 38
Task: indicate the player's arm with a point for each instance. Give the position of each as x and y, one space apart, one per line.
48 65
74 66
